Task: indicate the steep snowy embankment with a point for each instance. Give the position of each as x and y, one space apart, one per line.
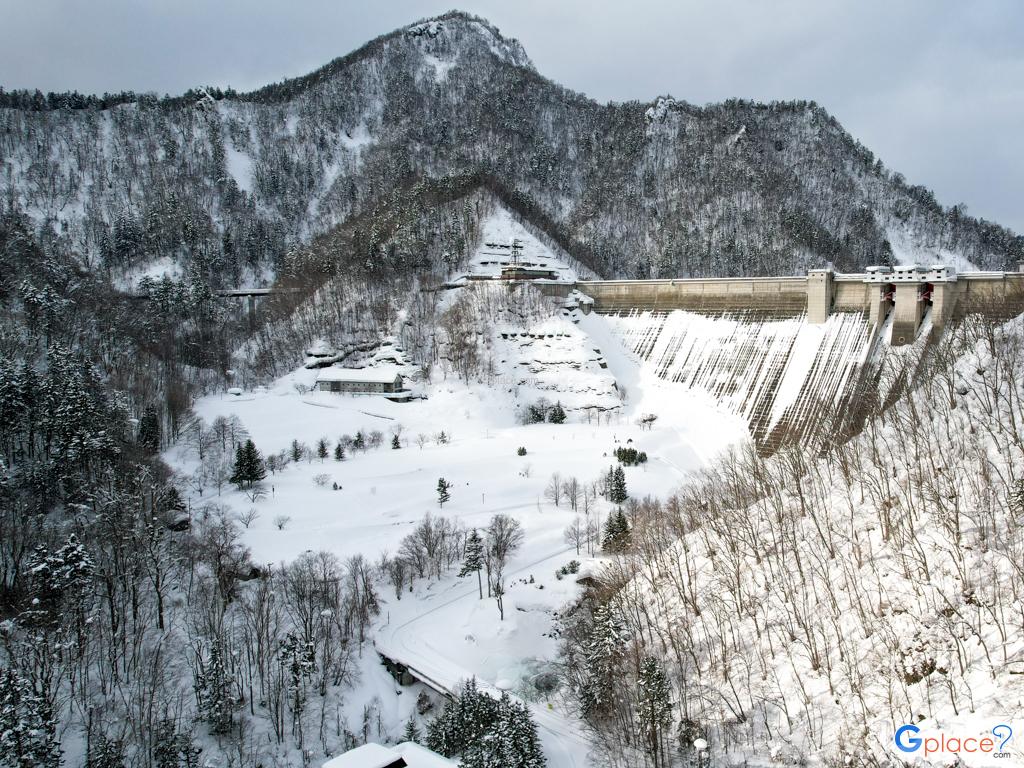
814 606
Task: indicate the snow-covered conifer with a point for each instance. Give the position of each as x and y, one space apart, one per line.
443 488
617 491
27 728
653 709
412 731
473 561
557 414
213 686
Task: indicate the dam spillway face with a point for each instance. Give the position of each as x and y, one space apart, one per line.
786 377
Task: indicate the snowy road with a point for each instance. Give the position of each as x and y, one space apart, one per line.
408 642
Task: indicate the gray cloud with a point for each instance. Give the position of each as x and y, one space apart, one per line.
934 87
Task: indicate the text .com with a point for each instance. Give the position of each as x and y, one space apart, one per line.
908 739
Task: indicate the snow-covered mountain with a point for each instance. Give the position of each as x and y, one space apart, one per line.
229 183
205 555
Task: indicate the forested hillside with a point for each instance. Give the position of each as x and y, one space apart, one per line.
223 185
811 602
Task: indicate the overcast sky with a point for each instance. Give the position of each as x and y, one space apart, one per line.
934 87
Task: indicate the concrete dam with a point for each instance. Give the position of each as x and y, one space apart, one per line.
795 355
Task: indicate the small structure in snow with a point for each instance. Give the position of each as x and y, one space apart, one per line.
524 272
385 379
405 755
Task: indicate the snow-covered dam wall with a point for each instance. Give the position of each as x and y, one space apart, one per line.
793 354
782 375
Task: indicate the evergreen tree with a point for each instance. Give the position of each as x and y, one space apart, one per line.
28 732
630 456
213 686
359 441
465 721
603 653
474 559
396 443
609 542
653 709
254 463
443 488
172 749
411 732
509 741
297 450
321 449
557 414
149 430
238 475
535 413
339 452
248 467
59 582
616 532
515 736
617 493
298 659
105 752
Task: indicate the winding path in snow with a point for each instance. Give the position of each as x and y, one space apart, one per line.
561 736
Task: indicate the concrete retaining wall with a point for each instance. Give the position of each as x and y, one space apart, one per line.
999 294
786 296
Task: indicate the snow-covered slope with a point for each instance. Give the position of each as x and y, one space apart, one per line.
814 605
500 229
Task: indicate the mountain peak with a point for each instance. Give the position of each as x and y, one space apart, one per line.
455 27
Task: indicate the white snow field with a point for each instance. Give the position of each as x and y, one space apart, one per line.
443 629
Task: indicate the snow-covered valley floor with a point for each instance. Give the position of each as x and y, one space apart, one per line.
384 492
